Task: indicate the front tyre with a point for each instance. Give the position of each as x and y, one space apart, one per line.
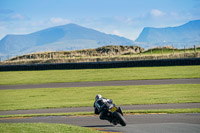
121 119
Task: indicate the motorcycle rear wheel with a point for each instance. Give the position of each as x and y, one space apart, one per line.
121 119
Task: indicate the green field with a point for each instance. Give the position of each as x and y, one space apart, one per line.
42 128
84 96
148 111
134 73
170 51
42 98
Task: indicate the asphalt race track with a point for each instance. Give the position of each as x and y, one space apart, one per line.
103 83
90 109
148 123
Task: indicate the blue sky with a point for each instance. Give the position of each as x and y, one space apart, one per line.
125 18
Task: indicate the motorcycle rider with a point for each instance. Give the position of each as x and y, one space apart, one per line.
99 105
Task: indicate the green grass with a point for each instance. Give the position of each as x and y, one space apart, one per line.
48 114
170 51
149 111
84 96
168 111
42 128
135 73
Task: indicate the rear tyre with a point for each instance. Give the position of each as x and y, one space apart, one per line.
121 119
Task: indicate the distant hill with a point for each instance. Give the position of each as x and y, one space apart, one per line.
187 34
105 51
74 37
103 54
59 38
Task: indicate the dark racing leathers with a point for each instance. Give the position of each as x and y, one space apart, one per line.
99 108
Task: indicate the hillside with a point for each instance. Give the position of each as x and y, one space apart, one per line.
185 35
65 37
105 53
74 37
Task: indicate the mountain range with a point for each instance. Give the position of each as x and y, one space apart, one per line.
59 38
184 35
74 37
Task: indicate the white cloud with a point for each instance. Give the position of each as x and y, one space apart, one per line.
18 17
55 20
156 13
116 32
38 23
3 30
11 16
125 20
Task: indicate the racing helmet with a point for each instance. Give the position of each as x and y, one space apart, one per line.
98 97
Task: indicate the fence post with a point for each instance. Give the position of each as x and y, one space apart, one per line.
184 49
195 50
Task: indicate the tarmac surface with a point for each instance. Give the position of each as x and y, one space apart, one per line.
103 83
148 123
90 109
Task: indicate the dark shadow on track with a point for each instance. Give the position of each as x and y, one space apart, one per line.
104 128
100 126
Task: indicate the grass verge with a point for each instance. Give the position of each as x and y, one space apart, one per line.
135 73
126 112
168 111
169 51
84 96
42 128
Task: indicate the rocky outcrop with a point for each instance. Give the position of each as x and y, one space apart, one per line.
101 51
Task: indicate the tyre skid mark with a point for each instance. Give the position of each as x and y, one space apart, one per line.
105 130
14 118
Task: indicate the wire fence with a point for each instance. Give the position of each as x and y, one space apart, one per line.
100 65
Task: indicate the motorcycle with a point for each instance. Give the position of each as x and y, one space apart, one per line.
115 114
